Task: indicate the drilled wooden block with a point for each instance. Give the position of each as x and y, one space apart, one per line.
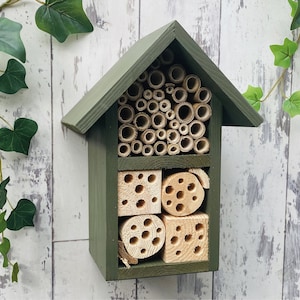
143 236
139 192
186 238
182 194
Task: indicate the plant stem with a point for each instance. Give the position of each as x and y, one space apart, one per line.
3 120
8 3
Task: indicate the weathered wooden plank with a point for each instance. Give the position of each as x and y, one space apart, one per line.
255 164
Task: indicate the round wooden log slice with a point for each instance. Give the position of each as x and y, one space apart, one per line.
143 235
182 194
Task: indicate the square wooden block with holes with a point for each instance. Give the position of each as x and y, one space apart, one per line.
139 192
186 238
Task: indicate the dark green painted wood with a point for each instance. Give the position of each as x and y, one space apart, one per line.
103 174
98 100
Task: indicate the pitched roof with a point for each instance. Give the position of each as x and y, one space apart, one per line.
236 110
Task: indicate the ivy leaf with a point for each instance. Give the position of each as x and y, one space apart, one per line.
3 224
15 272
294 5
22 215
62 18
253 95
296 18
13 78
283 53
3 192
4 249
10 40
18 140
292 105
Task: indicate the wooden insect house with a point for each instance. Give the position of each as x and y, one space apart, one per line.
153 125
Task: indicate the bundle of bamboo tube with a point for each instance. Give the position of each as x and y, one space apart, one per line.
165 111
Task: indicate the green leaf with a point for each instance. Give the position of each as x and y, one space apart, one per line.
253 95
3 224
13 78
294 5
292 105
22 215
3 192
61 18
18 140
296 19
10 40
15 272
283 53
4 249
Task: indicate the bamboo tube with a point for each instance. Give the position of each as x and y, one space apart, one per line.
143 77
135 91
161 134
127 133
186 143
174 124
158 94
179 95
156 79
147 150
173 149
173 136
165 105
141 104
141 121
202 111
196 129
184 112
176 73
169 87
148 137
123 99
201 145
191 83
167 57
152 106
203 95
160 148
124 149
125 113
136 147
158 120
183 129
170 114
156 64
147 94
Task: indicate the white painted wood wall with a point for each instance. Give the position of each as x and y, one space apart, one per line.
260 202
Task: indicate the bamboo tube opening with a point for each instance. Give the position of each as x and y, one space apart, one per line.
173 149
161 134
142 121
156 79
147 94
169 87
160 148
165 105
152 106
170 115
176 73
174 124
123 149
127 133
143 77
179 95
196 129
125 113
158 94
167 57
135 91
191 83
184 112
186 143
202 111
141 104
148 150
136 147
202 95
201 145
183 129
158 120
156 64
148 137
173 136
123 99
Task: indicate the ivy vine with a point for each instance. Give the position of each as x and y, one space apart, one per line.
59 18
283 57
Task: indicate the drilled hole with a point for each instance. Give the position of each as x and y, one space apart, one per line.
197 250
143 251
188 237
139 189
155 241
169 202
180 180
191 186
178 228
128 178
158 230
180 194
145 234
199 226
194 198
169 189
174 240
201 237
147 222
154 199
133 227
133 240
178 253
140 203
151 178
179 207
124 202
140 176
